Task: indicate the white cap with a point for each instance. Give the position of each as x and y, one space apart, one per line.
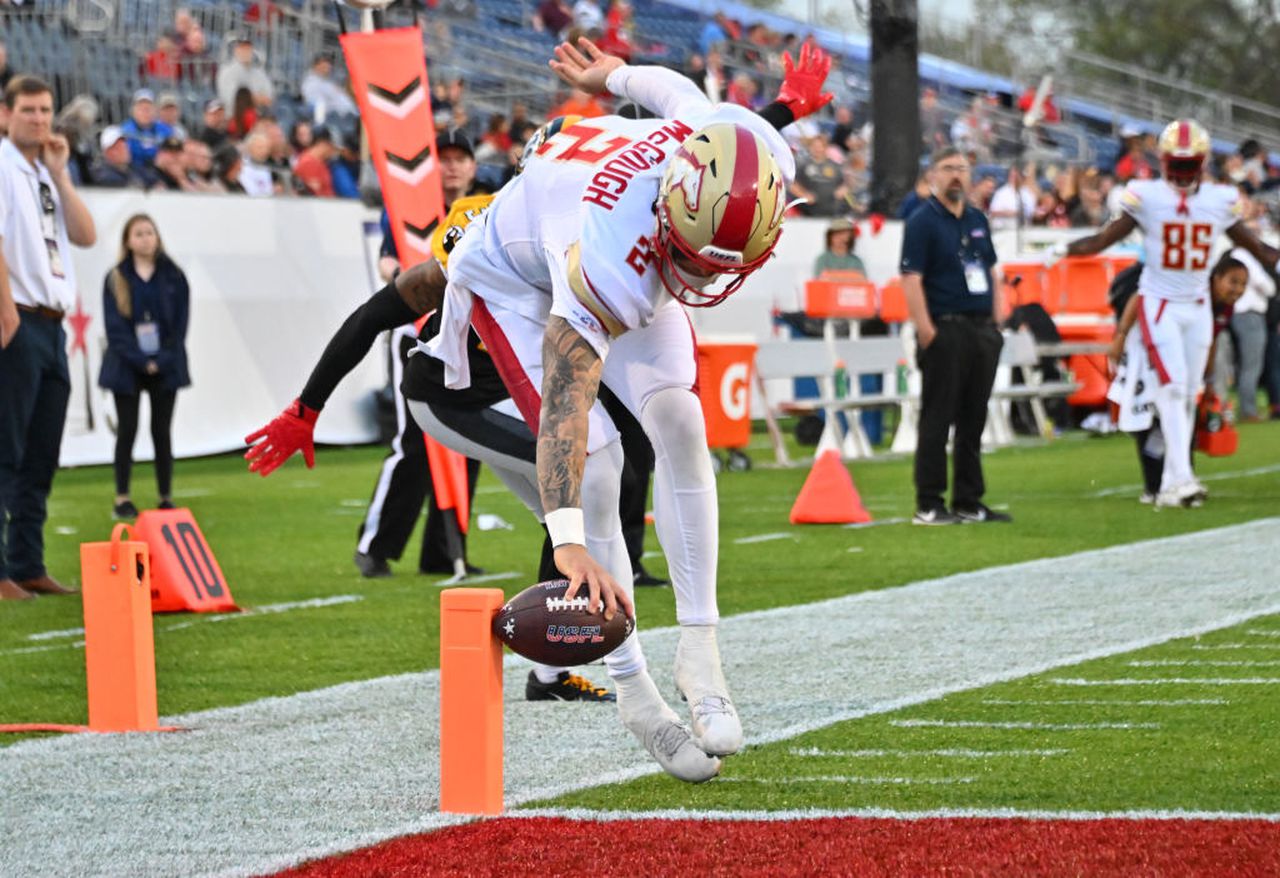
1129 130
109 136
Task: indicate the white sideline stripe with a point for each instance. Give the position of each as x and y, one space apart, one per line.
950 752
53 635
1212 477
844 779
885 814
29 649
1205 663
357 763
1263 646
1261 632
1107 702
489 577
763 538
984 724
268 610
881 523
1162 681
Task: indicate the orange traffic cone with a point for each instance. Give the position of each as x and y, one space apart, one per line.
829 495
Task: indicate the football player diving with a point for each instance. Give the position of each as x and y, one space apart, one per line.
574 276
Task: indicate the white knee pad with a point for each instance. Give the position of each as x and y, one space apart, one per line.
686 513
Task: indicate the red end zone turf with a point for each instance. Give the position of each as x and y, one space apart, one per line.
827 846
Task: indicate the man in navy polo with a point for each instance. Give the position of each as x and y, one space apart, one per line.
947 257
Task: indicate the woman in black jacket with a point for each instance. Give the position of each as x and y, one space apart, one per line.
145 306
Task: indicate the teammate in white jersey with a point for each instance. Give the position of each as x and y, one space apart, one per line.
571 278
1181 217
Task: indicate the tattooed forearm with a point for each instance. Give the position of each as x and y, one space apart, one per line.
422 287
570 381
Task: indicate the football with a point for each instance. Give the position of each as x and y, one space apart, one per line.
542 626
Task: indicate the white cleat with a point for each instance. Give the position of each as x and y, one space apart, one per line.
701 682
660 731
1188 494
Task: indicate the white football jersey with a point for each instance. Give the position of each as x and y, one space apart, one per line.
1178 234
572 235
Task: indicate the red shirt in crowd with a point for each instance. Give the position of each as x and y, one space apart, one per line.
314 174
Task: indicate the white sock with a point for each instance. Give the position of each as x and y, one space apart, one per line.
546 673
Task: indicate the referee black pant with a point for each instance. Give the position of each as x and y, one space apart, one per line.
957 370
404 484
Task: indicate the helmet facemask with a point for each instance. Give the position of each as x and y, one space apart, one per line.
696 279
1182 172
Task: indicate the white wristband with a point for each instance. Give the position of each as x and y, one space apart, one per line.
566 526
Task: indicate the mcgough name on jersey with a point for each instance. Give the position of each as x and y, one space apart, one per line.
585 142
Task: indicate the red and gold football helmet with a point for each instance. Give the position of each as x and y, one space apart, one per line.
1184 146
720 209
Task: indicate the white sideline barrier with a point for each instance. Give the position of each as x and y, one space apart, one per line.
271 280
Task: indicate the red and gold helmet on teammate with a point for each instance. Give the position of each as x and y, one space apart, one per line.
720 209
1184 147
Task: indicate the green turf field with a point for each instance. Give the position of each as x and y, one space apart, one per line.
290 538
1046 742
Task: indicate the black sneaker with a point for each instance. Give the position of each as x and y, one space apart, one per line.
934 517
165 504
643 578
124 510
980 514
567 687
371 566
438 569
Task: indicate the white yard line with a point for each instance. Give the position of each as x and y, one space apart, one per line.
1212 477
881 523
265 610
1030 726
1204 663
1107 702
763 538
946 752
845 779
1213 646
333 769
1174 681
78 644
889 814
54 635
1261 632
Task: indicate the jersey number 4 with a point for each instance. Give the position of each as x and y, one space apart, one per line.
1186 246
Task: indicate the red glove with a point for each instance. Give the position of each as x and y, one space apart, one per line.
289 431
801 90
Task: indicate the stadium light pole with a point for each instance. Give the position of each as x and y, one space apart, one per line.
895 102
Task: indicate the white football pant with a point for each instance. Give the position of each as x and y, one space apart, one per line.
1177 336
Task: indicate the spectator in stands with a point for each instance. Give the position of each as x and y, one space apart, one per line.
981 193
1013 202
255 173
244 70
227 165
844 129
1049 114
972 133
322 94
1249 332
553 17
6 72
618 38
933 127
1091 207
743 90
588 16
1133 164
819 181
579 103
145 308
279 155
213 131
947 255
496 141
41 217
143 130
197 158
76 122
170 169
1053 207
915 198
842 234
301 136
1228 281
857 179
183 26
345 167
169 109
716 32
244 115
312 170
115 170
162 61
195 66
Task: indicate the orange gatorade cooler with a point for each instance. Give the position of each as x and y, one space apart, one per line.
724 386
